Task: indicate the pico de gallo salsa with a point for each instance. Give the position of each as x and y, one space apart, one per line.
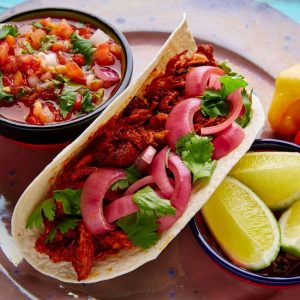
54 70
134 180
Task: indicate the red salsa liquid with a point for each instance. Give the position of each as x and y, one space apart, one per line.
54 70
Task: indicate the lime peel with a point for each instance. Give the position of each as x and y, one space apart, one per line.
289 223
243 225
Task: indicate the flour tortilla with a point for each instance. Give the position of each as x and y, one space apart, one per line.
127 260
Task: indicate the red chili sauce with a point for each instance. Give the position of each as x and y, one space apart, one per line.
54 70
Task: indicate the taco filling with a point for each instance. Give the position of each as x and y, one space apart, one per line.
135 178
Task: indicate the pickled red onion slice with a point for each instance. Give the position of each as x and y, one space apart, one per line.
91 202
180 120
227 140
158 171
139 184
197 80
236 101
120 208
214 82
106 73
144 160
182 191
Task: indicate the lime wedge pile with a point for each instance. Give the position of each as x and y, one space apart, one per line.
239 212
243 225
273 176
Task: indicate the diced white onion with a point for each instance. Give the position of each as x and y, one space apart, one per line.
89 78
33 80
99 37
49 59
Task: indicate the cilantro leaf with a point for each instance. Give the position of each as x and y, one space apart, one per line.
8 30
141 227
37 25
245 118
132 175
83 46
213 104
148 201
64 226
230 84
227 69
70 200
46 208
67 100
27 47
4 96
86 104
196 153
99 95
47 42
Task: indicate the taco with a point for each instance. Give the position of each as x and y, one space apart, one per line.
116 197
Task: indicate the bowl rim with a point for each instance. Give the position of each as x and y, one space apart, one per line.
258 144
128 57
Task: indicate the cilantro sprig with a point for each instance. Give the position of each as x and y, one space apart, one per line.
132 175
196 153
214 102
64 226
83 46
141 227
68 97
4 96
70 200
245 118
8 30
47 42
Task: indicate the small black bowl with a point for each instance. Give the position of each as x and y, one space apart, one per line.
66 131
285 270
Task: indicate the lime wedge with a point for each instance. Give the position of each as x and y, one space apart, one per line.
243 225
273 176
289 224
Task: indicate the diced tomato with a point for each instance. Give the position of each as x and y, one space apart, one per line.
61 58
32 119
7 81
11 41
43 112
116 50
28 63
103 56
297 138
85 32
36 37
78 59
19 80
46 76
63 29
73 71
96 84
78 102
47 23
58 47
4 49
10 66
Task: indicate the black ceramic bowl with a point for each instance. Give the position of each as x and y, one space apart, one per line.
284 271
66 131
